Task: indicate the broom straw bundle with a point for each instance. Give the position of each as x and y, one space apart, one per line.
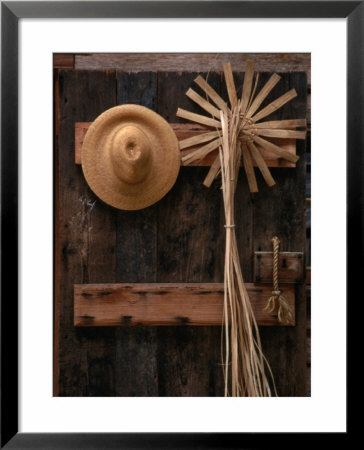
242 352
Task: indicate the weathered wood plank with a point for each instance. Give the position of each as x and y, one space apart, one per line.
56 107
163 304
308 340
190 249
280 211
184 131
85 243
198 62
63 60
57 249
290 267
136 243
308 275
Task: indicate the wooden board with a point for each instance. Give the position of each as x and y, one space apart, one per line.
190 249
290 267
84 244
184 131
63 60
136 365
200 62
280 211
107 305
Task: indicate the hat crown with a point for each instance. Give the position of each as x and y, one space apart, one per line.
130 157
131 154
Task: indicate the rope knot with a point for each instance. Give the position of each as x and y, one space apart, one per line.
284 309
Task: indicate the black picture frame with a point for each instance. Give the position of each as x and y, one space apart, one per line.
11 12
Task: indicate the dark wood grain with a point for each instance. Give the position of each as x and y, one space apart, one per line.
280 211
290 267
165 304
190 249
85 242
63 60
136 262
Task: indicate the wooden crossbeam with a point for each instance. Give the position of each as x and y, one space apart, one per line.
187 131
97 305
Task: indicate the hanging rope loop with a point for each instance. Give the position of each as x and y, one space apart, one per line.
284 310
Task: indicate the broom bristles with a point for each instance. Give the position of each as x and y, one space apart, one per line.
243 353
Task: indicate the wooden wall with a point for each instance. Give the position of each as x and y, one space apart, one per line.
179 239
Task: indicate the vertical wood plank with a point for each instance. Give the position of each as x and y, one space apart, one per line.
190 249
85 241
57 255
136 262
280 210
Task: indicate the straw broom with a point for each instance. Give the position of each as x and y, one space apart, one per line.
246 370
243 345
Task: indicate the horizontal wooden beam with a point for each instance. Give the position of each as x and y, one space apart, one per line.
97 305
290 267
184 131
197 62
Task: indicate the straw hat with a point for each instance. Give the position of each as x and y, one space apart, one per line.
130 157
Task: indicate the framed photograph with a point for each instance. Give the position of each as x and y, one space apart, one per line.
87 372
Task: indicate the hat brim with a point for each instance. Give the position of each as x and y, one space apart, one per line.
97 164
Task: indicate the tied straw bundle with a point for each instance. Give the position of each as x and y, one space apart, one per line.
248 376
238 136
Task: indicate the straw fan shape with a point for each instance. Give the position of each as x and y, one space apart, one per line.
239 134
251 131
